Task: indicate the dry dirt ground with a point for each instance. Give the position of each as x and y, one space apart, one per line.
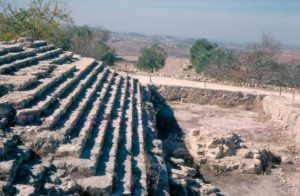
255 128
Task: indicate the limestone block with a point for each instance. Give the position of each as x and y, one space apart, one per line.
24 190
97 185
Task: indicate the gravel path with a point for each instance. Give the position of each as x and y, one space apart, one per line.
158 80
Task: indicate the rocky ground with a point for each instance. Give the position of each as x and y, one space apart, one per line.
223 151
257 131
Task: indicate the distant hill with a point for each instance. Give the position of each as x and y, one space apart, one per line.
129 44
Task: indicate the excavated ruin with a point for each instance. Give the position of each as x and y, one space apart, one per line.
71 125
235 139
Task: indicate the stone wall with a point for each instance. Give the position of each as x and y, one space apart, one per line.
280 109
208 96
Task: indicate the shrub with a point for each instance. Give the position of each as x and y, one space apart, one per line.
42 19
91 42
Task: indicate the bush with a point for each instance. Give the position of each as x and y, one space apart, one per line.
42 19
91 42
151 59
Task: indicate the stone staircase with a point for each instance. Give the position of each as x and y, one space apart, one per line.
74 126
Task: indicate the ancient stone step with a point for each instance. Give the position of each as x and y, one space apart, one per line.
10 57
107 160
139 163
4 49
69 122
27 77
46 48
65 103
92 131
92 149
38 43
21 98
43 68
22 190
96 185
9 68
111 142
33 111
123 171
79 139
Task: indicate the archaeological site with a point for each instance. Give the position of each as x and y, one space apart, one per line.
71 125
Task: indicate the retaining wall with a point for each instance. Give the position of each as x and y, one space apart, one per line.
208 96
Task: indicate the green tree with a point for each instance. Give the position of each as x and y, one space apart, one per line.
151 59
42 19
200 54
211 59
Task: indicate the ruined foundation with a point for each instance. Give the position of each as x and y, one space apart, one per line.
71 126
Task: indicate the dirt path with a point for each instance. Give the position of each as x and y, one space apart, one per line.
158 80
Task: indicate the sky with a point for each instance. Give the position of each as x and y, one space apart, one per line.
238 21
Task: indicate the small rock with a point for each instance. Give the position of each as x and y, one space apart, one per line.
287 160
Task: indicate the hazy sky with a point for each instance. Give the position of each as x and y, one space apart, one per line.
227 20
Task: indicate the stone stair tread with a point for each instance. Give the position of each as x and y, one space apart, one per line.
10 57
6 48
24 62
84 167
80 141
99 139
97 185
19 97
24 190
66 103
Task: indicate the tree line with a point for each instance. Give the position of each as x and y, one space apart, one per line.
257 64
